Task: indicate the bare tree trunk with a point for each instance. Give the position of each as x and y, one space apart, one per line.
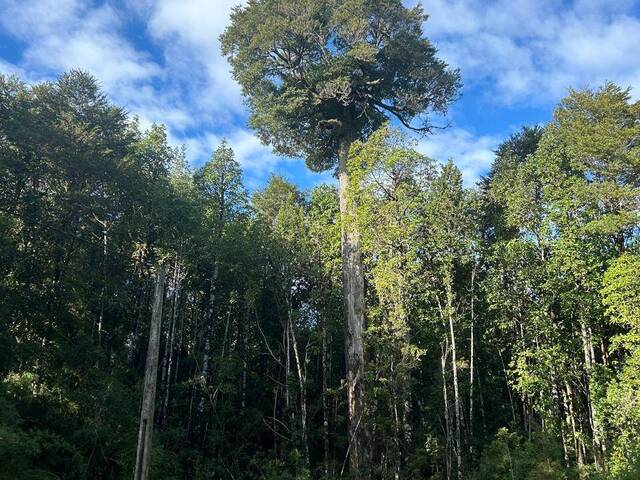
577 433
325 412
170 341
471 360
103 292
300 368
482 413
598 445
353 294
143 455
445 399
243 380
454 365
408 431
204 377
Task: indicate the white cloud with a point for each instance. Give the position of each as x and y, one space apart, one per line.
256 160
189 31
66 34
531 51
7 68
471 153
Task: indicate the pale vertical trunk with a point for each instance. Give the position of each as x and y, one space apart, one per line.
567 396
577 432
408 431
243 384
303 393
208 324
472 359
353 294
325 412
482 414
454 367
598 446
104 279
287 365
396 454
143 456
560 403
170 341
275 416
445 399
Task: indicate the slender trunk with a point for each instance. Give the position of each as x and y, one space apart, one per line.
482 414
243 381
169 345
408 431
103 292
471 360
287 365
396 455
143 456
570 420
325 412
303 392
208 325
353 294
454 367
598 446
577 433
445 399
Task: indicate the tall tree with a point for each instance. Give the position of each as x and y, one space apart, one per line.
317 76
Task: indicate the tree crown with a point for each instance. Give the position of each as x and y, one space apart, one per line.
317 71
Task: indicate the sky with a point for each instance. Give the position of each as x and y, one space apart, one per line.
161 61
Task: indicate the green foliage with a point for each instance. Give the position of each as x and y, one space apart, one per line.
315 72
509 457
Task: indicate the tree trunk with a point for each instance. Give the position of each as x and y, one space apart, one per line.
445 400
208 326
589 360
456 392
170 341
471 360
143 456
300 368
353 295
456 399
325 411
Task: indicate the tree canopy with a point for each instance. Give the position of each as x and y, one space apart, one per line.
315 71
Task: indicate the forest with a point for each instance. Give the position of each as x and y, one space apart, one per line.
160 320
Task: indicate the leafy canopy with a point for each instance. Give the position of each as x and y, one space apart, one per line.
316 72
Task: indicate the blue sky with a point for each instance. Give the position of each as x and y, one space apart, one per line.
160 59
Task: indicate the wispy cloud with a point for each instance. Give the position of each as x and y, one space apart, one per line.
530 51
472 153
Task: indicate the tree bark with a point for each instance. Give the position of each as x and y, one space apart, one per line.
300 368
589 360
353 295
206 357
456 392
445 400
143 456
167 361
325 411
471 360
